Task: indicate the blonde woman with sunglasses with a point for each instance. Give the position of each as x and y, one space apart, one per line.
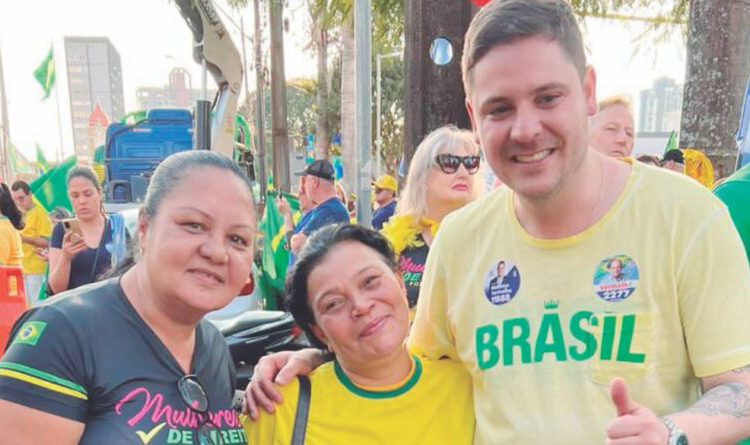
443 177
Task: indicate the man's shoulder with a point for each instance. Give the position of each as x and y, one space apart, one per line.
333 206
668 188
487 210
86 303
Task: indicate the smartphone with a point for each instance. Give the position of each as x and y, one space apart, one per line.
71 225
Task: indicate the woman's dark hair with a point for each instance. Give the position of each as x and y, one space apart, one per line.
85 173
314 252
8 207
170 173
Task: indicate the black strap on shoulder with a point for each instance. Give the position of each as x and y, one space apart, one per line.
303 410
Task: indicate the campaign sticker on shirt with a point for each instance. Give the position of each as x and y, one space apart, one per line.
502 282
616 278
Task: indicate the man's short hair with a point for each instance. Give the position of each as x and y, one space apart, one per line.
619 99
505 21
21 185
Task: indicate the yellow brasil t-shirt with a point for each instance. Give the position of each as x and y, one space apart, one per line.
656 292
432 406
38 224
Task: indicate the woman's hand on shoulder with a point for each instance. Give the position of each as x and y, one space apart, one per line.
277 369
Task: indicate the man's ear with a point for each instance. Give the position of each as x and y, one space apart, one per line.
589 90
143 225
474 126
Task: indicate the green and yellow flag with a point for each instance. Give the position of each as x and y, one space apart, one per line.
45 74
275 250
672 143
18 162
41 161
51 189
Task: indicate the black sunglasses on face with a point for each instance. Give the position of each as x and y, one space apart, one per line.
194 396
449 164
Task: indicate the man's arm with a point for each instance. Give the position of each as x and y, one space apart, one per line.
720 416
36 241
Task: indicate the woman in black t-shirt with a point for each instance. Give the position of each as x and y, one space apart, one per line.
78 255
131 360
442 178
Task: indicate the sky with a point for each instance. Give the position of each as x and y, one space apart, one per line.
152 38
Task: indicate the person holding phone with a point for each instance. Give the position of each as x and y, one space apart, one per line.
78 253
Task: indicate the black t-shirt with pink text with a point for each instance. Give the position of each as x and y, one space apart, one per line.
88 356
411 265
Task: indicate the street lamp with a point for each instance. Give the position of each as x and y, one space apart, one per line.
379 136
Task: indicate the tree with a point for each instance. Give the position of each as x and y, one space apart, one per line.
717 71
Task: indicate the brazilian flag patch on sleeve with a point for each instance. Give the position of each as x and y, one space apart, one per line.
30 333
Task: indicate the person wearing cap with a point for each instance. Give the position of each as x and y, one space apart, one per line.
319 178
385 195
674 160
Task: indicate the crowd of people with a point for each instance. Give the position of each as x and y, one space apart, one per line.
587 297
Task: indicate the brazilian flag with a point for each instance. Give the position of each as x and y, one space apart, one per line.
51 189
45 74
275 249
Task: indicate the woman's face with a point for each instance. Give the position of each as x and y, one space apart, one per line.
85 197
359 304
451 189
198 248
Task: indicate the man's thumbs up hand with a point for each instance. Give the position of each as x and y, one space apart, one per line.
634 423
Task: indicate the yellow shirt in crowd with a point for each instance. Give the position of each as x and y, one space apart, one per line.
10 244
38 224
432 405
656 292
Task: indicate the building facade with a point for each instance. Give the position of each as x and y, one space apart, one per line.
661 107
178 93
94 77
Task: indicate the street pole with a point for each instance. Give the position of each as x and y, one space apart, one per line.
363 113
278 99
378 134
4 127
260 105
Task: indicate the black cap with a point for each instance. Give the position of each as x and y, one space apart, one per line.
320 168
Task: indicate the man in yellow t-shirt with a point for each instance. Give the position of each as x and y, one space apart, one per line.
35 235
622 317
621 271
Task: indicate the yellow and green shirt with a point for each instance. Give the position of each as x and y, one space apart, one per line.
433 405
38 224
10 244
656 292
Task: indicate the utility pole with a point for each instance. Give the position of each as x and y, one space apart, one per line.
434 93
363 108
278 99
4 127
260 105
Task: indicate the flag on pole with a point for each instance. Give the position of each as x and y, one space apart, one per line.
45 74
275 249
672 142
19 165
41 161
51 189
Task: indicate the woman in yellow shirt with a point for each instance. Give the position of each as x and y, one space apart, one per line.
11 221
346 293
